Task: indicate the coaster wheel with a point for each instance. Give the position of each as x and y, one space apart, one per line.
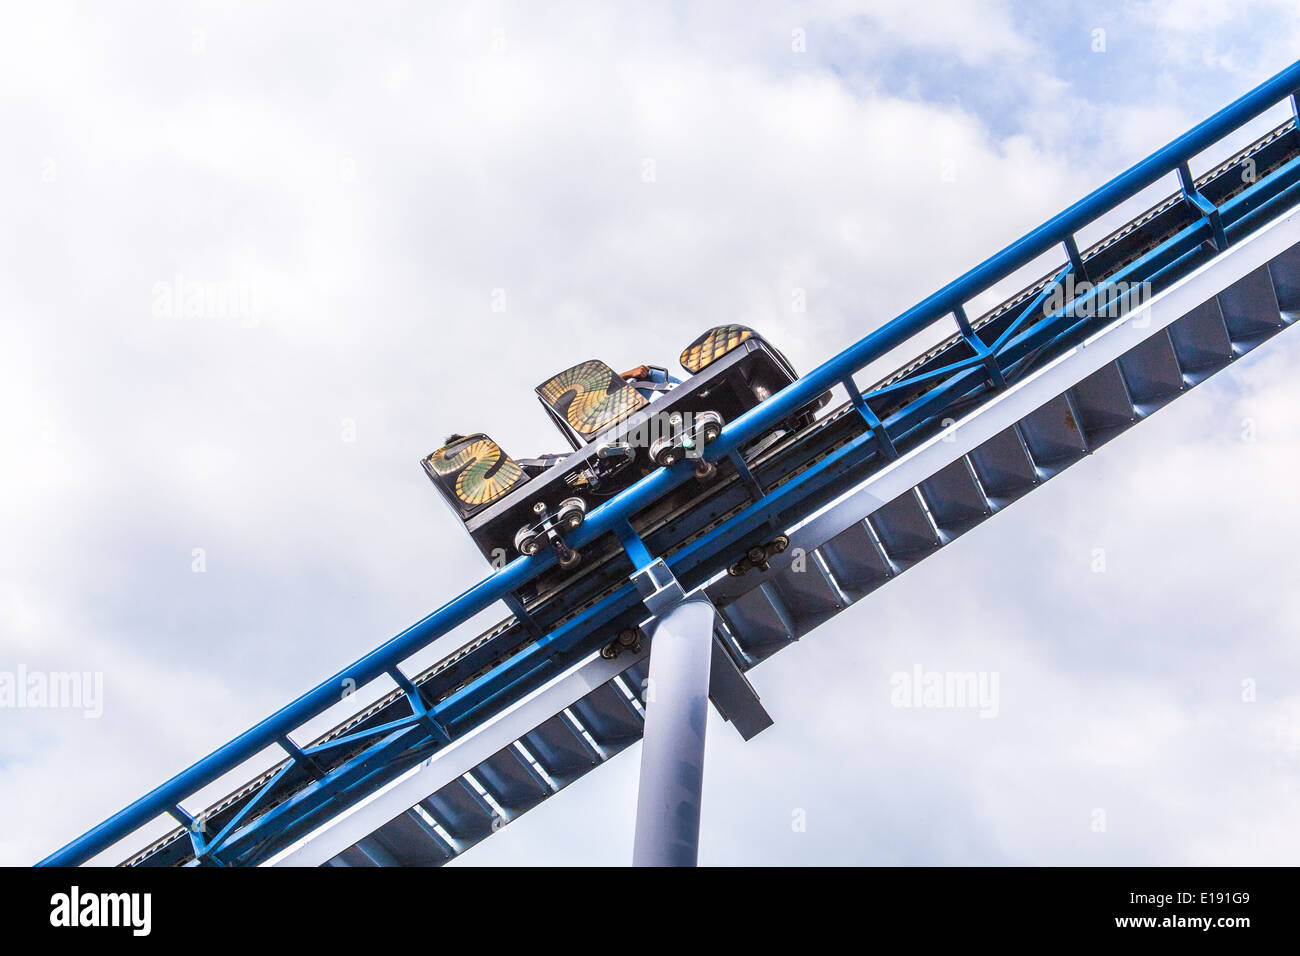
571 514
528 541
666 452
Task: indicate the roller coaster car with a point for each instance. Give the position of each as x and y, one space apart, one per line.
620 428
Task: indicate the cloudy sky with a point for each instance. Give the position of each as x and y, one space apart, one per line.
417 212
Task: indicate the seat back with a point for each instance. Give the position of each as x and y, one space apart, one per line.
589 397
472 472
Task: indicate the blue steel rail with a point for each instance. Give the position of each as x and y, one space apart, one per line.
253 836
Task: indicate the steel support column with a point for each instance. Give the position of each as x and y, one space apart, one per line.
672 754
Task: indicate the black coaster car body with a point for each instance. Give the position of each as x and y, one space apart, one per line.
498 499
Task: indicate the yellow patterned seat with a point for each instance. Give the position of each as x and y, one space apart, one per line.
590 397
474 471
712 345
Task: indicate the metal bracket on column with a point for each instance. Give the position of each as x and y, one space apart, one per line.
729 690
734 696
658 587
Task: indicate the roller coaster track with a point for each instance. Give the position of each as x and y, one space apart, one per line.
989 408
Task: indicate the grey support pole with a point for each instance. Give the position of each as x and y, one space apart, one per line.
672 754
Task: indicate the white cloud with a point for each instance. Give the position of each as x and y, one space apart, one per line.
375 177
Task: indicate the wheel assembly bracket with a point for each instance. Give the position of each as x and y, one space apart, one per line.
550 529
758 556
686 436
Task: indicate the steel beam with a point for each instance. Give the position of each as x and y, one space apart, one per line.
672 751
166 797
